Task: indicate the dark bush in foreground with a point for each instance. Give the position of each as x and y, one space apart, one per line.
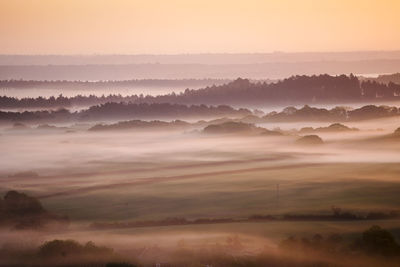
20 204
20 211
378 241
374 242
66 248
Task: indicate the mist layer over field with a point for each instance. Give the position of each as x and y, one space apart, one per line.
164 194
182 173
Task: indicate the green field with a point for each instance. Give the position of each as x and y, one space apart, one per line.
128 177
240 192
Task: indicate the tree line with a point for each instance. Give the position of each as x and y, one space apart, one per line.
133 111
125 111
293 90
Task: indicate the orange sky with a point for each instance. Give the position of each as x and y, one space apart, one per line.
198 26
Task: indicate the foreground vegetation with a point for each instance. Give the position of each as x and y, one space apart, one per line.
374 247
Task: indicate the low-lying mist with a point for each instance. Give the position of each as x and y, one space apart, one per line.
177 193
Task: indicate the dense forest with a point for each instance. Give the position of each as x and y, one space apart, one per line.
293 90
131 111
116 111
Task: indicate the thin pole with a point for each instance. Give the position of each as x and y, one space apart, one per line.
277 194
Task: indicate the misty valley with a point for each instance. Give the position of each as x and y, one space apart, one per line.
235 174
200 133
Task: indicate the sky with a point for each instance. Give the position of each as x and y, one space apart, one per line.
197 26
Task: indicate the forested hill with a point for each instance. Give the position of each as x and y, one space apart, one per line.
293 90
242 92
123 111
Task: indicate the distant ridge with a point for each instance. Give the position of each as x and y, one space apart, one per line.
196 58
156 111
243 92
294 90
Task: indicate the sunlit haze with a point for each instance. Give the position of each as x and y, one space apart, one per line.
206 26
176 133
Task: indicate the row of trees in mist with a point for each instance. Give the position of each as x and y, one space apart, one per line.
375 246
65 84
62 101
126 111
131 111
294 90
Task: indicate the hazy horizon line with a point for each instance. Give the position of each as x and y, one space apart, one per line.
207 53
